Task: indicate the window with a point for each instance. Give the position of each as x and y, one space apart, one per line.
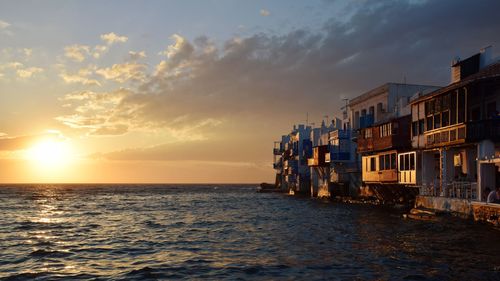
438 104
385 130
453 109
367 133
372 164
445 118
401 163
437 121
421 126
371 110
432 106
461 106
407 162
414 128
381 162
430 123
387 162
446 102
412 161
393 161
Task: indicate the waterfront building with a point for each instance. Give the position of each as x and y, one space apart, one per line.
381 123
290 160
456 137
319 168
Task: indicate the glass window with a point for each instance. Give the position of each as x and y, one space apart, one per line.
387 163
461 106
437 121
438 104
421 126
393 161
372 164
445 118
414 128
453 109
401 162
407 162
446 102
412 161
430 123
381 164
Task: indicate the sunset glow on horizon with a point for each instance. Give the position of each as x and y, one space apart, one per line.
161 92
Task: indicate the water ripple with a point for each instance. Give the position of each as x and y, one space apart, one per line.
158 232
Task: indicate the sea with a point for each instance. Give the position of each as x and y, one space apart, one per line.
227 232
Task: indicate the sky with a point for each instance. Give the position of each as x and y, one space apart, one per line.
197 91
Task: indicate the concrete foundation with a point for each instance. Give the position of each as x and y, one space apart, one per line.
459 207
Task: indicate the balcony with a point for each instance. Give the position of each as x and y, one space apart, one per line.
366 121
445 136
483 130
457 190
339 134
391 135
318 158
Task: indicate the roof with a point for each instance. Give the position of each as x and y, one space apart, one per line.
372 93
489 72
378 91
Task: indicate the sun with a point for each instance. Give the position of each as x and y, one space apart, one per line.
50 153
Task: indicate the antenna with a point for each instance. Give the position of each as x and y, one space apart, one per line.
307 118
345 108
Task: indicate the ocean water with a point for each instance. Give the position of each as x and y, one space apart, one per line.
195 232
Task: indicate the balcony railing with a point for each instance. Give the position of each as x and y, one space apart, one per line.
458 190
483 129
445 136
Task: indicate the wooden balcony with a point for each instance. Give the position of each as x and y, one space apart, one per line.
392 135
450 135
318 159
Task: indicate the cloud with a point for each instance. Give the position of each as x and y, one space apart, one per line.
264 13
77 52
4 25
99 50
265 82
97 112
27 52
28 72
180 48
83 76
123 72
112 38
20 70
136 55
